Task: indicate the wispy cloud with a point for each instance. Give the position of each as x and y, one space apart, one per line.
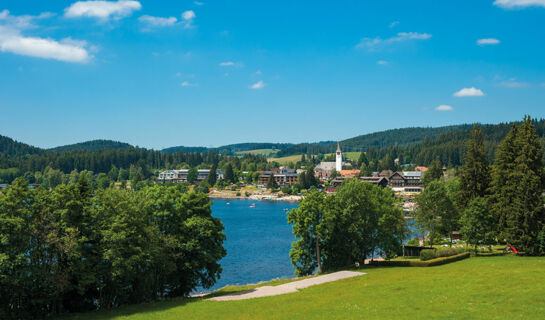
231 64
12 40
375 43
198 3
187 18
188 84
487 41
469 92
382 63
443 107
103 10
157 22
513 83
258 85
393 24
515 4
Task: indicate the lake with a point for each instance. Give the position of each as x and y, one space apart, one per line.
258 241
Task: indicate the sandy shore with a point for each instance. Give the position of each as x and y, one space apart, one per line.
256 196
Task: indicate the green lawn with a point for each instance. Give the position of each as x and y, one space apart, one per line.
506 287
262 152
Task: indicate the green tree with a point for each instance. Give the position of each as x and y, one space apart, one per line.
192 175
271 183
435 172
307 224
103 181
363 160
478 223
436 214
475 174
213 176
229 174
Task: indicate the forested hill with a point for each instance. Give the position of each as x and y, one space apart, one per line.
233 148
10 147
93 145
394 137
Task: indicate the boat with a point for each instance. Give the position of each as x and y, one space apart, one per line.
253 205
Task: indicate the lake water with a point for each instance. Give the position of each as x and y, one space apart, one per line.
258 241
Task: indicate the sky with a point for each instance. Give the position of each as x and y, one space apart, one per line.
208 73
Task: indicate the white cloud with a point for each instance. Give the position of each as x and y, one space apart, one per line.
382 62
469 92
102 9
513 83
258 72
151 21
443 107
258 85
487 41
13 41
393 24
514 4
374 43
187 18
188 84
198 3
227 64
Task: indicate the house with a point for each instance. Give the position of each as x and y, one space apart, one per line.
406 181
350 173
282 177
385 173
3 186
421 168
181 175
323 170
381 181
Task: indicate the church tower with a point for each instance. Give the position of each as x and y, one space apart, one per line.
338 159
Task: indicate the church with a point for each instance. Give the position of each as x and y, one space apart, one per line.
323 170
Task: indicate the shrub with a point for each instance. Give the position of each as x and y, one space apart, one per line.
238 194
427 254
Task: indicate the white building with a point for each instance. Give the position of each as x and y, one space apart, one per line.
338 159
181 175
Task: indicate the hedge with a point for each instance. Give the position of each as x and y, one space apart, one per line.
417 263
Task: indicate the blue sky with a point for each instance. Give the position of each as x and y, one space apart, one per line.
166 73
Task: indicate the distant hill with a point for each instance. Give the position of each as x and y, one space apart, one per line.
232 148
10 147
399 137
93 145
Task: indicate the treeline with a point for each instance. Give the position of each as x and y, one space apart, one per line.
71 250
103 161
93 145
502 202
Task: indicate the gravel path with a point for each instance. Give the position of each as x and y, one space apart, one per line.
287 287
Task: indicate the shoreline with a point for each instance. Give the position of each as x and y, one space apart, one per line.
255 197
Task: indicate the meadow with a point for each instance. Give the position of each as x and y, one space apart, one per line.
499 287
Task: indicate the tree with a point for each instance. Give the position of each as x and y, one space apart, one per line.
478 223
435 172
307 225
436 213
363 160
192 175
229 174
212 175
475 175
271 183
103 181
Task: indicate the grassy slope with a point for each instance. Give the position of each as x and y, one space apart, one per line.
262 152
506 287
354 156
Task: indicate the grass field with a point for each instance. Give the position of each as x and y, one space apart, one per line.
506 287
353 156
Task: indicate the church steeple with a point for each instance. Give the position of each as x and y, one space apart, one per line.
338 158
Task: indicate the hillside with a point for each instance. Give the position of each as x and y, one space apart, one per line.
10 147
93 145
394 137
232 148
476 288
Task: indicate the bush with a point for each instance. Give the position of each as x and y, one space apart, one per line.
238 194
416 263
427 254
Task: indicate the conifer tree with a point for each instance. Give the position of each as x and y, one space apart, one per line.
475 176
229 174
212 176
271 184
502 189
528 217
